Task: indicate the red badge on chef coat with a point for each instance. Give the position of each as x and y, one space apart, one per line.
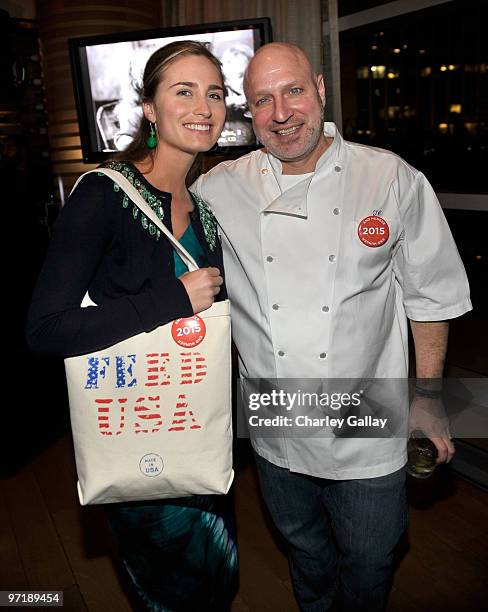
188 332
373 231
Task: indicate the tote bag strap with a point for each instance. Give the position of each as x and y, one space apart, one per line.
144 207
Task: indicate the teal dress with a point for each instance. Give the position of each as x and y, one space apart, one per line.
191 244
180 553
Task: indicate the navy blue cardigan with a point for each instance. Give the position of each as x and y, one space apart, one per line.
104 244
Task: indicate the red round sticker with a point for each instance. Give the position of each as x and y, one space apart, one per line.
373 231
188 332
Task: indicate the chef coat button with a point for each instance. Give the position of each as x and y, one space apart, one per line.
336 211
332 258
337 168
323 355
276 306
264 171
269 258
325 309
281 353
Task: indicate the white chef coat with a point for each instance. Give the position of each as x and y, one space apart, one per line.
310 299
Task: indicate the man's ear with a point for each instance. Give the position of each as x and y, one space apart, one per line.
148 110
319 79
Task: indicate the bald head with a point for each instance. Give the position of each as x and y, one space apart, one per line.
273 55
286 100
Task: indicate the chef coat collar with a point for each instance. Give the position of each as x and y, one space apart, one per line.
293 201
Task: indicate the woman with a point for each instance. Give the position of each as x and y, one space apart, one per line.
179 553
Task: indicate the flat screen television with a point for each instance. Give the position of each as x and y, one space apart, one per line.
107 72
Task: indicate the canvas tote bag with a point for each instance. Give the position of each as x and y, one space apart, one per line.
151 415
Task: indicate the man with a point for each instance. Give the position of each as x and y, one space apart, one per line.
328 248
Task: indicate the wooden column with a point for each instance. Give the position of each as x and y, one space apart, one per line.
58 21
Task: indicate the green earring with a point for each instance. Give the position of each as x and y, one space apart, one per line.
152 139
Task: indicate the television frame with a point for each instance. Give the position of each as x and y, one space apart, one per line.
81 80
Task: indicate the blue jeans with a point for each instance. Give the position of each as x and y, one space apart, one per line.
341 535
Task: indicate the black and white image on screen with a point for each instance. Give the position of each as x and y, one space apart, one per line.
115 73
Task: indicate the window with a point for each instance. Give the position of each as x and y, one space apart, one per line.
418 84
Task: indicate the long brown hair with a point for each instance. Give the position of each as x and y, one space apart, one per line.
138 150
